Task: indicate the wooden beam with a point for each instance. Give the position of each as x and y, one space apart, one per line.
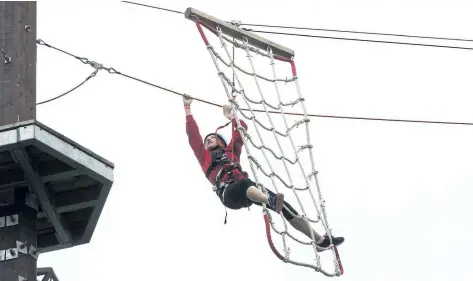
18 103
18 61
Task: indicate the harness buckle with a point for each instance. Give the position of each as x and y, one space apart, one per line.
226 169
219 186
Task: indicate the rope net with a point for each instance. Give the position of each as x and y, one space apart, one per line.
288 161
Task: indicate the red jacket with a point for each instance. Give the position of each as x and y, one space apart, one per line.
233 149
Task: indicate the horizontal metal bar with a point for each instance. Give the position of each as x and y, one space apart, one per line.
13 185
8 166
71 208
45 179
236 32
60 176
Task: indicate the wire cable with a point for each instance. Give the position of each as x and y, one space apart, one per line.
360 40
71 90
339 31
163 88
357 32
114 71
154 7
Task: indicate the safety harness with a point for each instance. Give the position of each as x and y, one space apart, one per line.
219 187
219 158
227 169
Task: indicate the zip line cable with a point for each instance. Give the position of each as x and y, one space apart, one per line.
154 7
360 40
111 70
338 31
357 32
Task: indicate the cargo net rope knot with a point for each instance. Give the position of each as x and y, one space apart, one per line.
257 101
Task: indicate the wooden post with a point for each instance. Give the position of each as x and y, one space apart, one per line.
17 103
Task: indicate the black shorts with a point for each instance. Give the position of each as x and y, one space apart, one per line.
234 197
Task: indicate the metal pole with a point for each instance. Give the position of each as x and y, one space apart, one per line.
18 206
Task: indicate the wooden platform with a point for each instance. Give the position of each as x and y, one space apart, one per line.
70 182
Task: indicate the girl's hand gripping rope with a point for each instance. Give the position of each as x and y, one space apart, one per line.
228 112
187 99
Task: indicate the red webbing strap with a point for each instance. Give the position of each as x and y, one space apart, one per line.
275 251
219 143
270 241
339 261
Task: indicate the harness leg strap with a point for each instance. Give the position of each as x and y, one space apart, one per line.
219 185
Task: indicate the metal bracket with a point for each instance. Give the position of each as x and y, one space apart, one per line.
96 65
32 201
11 220
2 255
11 254
236 22
22 247
33 252
2 222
